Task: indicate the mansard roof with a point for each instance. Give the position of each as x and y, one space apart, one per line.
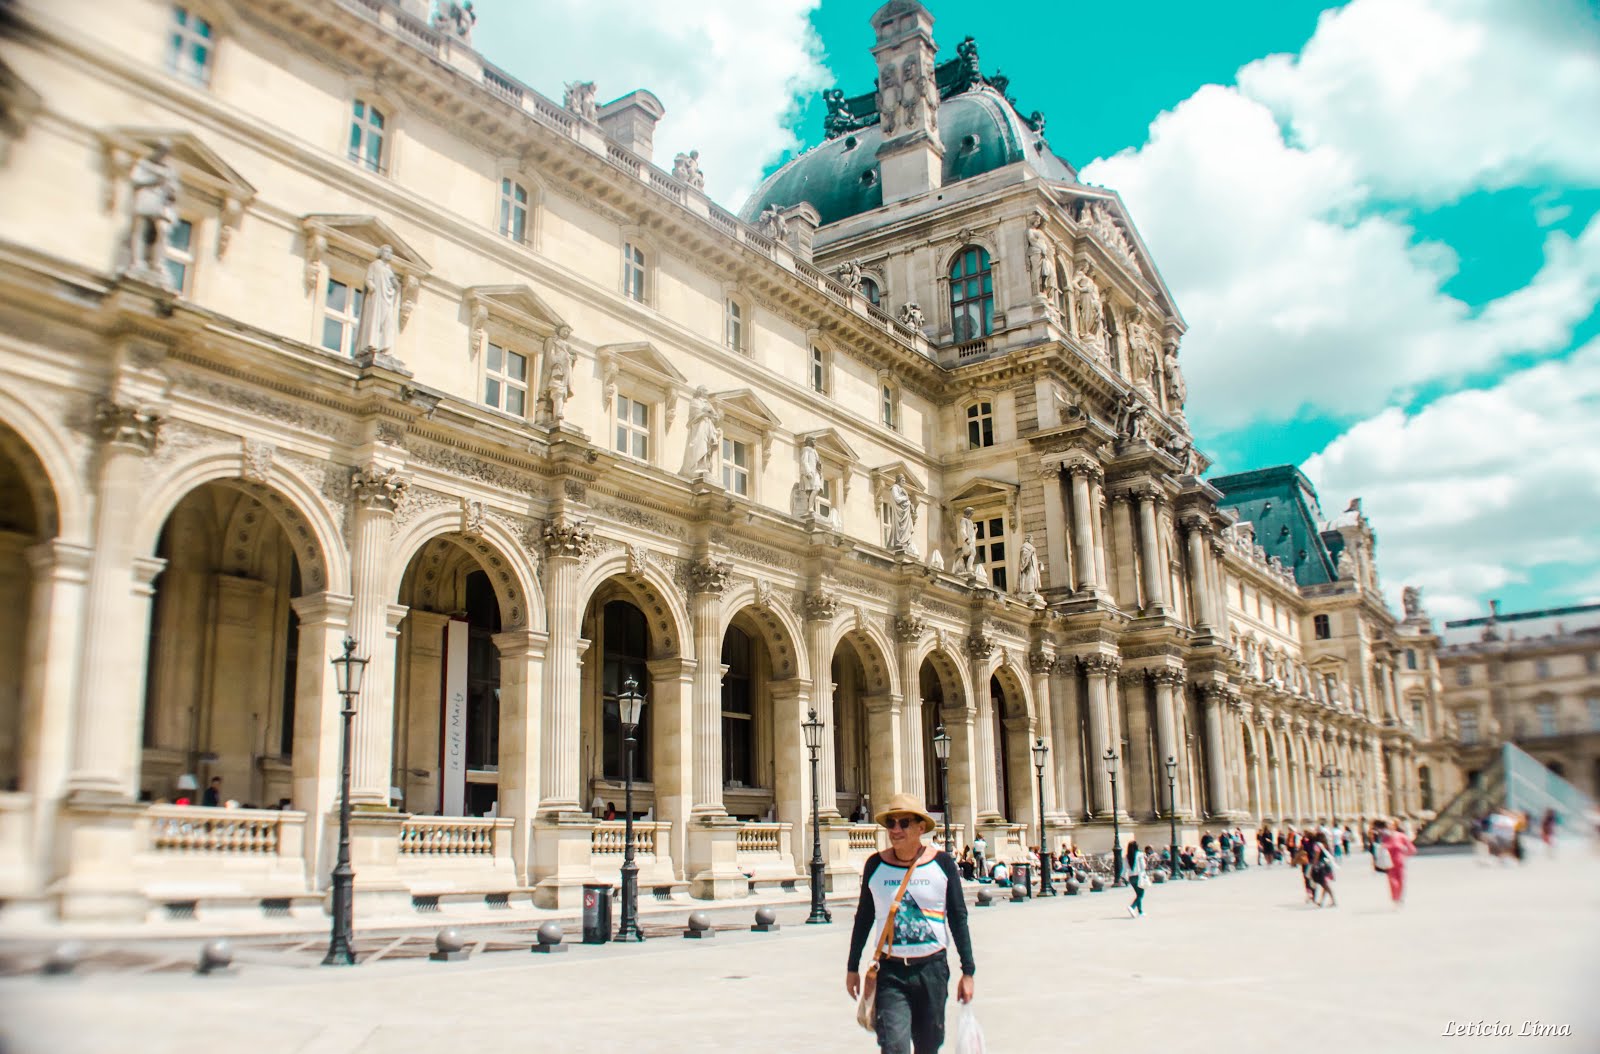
1283 508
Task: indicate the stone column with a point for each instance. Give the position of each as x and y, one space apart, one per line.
821 607
1097 502
567 541
1218 753
985 750
1199 577
379 492
1040 663
1100 668
959 721
1144 779
110 696
1067 745
324 621
1123 581
791 764
1168 682
709 578
1083 533
1219 587
1057 515
1155 594
907 633
522 654
884 721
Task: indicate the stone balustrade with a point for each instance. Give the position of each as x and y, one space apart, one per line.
451 835
864 836
610 837
201 830
762 837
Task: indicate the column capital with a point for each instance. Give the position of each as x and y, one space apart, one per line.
521 644
322 607
567 538
1100 664
709 576
63 559
1041 661
145 570
132 426
377 487
980 646
821 605
1169 676
908 629
1083 465
1196 523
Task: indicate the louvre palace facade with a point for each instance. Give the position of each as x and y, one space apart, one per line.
317 325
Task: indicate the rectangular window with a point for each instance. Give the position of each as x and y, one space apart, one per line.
1321 627
819 370
1593 703
1547 718
980 425
733 325
890 417
886 522
505 381
1591 662
1467 721
825 500
366 136
180 254
736 467
1463 675
633 428
513 210
341 316
1417 718
189 46
1411 658
1541 669
632 272
991 532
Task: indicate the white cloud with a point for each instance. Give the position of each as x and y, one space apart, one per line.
1481 487
727 74
1296 300
1431 99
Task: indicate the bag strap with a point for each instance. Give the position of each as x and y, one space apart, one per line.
894 908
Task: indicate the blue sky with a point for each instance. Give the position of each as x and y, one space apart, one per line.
1381 221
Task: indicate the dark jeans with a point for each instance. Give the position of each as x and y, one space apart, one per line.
1138 896
910 1005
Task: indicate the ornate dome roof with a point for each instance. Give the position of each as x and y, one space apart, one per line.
978 126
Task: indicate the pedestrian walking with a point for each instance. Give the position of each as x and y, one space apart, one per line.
1138 872
979 849
1391 846
911 899
1320 869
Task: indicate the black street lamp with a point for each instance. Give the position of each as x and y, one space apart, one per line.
941 750
630 707
1116 830
1172 811
348 671
1047 888
1331 776
819 907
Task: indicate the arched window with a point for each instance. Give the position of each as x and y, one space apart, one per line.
627 645
980 425
738 725
971 295
869 289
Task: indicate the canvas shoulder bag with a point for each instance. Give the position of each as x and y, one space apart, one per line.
867 1004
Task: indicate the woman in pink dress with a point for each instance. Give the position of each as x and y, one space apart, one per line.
1399 846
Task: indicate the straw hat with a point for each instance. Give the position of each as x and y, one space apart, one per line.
905 803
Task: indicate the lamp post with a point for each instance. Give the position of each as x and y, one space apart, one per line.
630 707
1116 830
812 727
941 750
1172 812
1331 775
348 671
1047 888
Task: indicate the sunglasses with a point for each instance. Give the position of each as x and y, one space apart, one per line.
901 822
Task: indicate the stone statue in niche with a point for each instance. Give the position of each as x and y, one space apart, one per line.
1091 330
965 559
704 447
154 183
1027 568
905 518
1344 566
555 379
380 307
1132 420
1177 389
687 168
1142 355
810 477
579 99
1411 599
1041 261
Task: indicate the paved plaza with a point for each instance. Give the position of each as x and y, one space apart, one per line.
1237 963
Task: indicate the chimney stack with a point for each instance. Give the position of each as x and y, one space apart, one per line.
630 122
911 158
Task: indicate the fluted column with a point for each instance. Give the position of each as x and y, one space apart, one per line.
1097 501
709 578
1199 577
522 653
1155 593
1219 586
379 492
1100 669
1167 680
324 620
1039 665
907 633
110 696
566 541
1083 533
1057 517
1067 739
821 607
1217 754
986 750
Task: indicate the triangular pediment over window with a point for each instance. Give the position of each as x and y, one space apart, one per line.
518 305
640 359
981 492
883 478
363 236
741 403
199 167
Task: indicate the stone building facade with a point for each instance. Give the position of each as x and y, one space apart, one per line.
1531 678
318 325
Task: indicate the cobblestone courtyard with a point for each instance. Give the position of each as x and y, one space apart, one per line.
1236 964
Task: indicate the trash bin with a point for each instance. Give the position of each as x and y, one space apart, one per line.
596 913
1022 875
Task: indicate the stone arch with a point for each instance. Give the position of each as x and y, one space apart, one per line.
873 648
782 632
313 531
50 469
1015 682
652 590
951 670
510 571
1253 760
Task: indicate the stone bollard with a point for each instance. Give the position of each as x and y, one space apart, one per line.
699 927
550 935
215 957
1018 894
64 958
1096 884
766 921
449 947
985 898
1072 887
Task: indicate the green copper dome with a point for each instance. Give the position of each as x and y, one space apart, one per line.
840 178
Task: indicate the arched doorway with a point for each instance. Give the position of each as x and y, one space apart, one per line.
27 517
1013 741
851 766
1425 786
222 652
931 690
1252 774
749 771
619 650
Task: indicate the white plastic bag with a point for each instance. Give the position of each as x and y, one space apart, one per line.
969 1035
